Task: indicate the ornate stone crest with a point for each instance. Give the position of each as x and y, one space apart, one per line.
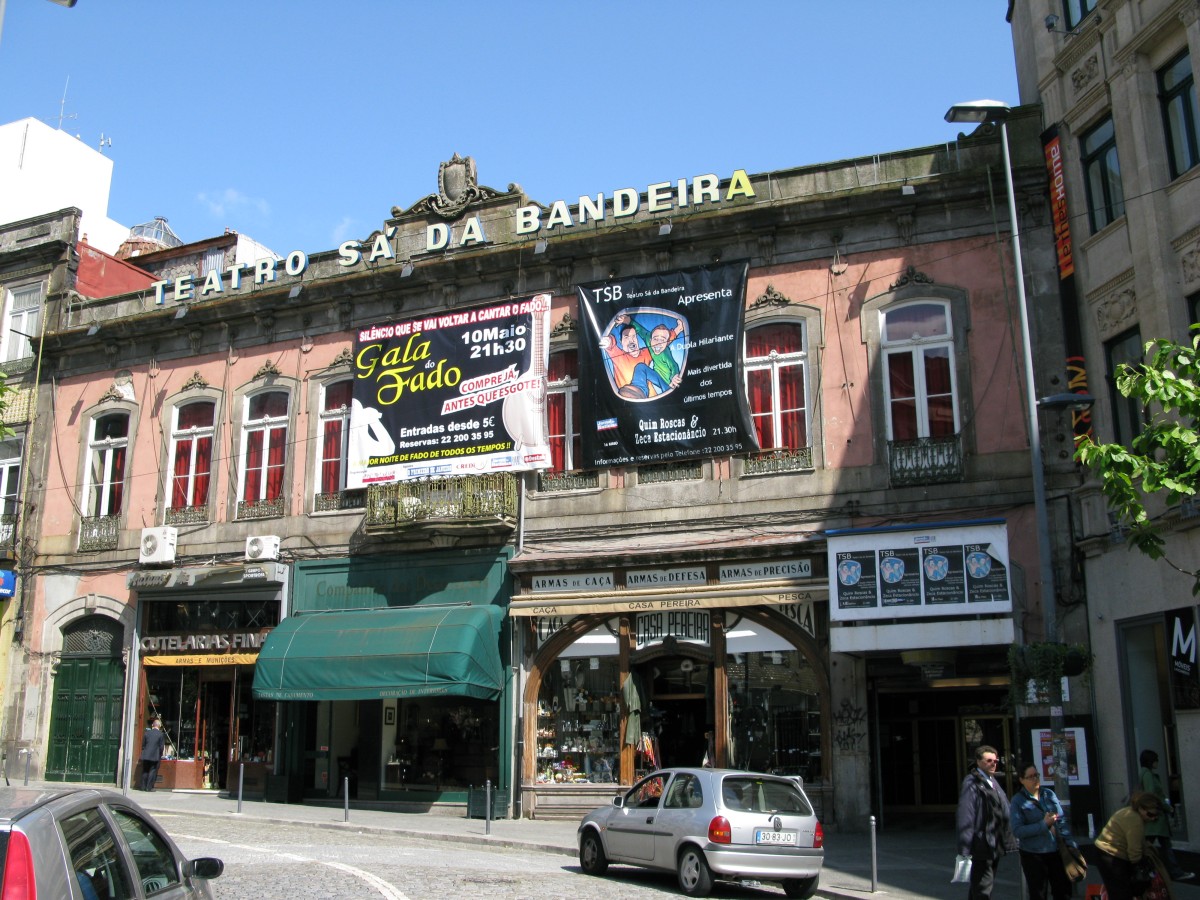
458 188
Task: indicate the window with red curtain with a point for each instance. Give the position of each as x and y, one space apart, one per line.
192 455
107 448
919 367
562 415
264 442
775 385
335 430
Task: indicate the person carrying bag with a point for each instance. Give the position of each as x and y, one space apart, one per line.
1045 839
1125 860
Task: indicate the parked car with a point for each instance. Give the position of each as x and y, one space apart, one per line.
88 844
706 824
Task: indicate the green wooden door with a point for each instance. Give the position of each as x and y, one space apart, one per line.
85 714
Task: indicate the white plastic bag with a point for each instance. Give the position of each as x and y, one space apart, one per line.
962 870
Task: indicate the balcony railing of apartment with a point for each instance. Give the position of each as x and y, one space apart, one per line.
99 533
186 515
551 482
780 459
482 501
8 533
339 501
682 470
925 461
262 509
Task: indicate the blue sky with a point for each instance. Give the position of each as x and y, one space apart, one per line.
301 124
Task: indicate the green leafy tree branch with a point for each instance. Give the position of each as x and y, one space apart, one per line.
1164 459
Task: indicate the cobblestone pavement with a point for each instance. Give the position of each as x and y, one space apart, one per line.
266 861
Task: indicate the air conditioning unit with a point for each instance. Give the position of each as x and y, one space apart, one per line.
263 548
157 546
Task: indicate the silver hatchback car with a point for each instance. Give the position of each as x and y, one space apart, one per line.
88 844
706 824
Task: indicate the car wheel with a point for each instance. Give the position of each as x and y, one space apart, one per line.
591 854
695 878
803 888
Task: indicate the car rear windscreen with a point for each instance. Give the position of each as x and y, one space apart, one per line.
766 795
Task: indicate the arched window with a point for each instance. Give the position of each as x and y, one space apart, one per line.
332 454
562 399
191 455
918 353
775 364
108 443
264 448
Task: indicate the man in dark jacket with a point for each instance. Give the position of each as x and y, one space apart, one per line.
984 825
153 742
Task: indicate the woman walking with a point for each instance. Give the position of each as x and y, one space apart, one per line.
1122 845
1037 821
1158 832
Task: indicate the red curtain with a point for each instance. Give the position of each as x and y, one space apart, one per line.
118 482
331 458
179 488
556 419
254 459
761 406
203 471
275 462
939 391
902 388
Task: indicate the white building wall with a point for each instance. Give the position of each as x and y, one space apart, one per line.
43 169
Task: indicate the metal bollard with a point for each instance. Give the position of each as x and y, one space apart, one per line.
241 781
28 753
346 798
874 859
487 812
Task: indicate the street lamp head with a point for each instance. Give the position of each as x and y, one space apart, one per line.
979 111
1073 402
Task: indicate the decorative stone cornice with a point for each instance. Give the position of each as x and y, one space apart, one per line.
344 358
911 276
1101 291
458 188
566 326
1115 312
1084 73
770 297
1190 264
196 382
268 370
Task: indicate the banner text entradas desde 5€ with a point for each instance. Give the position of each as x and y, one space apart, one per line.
453 393
661 367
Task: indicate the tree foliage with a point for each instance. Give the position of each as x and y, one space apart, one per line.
1164 459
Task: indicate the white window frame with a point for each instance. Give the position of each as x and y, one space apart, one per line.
568 388
774 362
103 451
266 424
194 434
23 318
324 416
917 347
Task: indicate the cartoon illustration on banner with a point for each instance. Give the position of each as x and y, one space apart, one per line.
457 393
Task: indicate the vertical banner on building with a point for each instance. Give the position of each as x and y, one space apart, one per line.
458 392
661 367
1181 657
1076 365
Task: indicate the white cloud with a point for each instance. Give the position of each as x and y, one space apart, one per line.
344 230
232 201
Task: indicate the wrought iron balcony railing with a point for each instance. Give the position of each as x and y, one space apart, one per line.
682 470
925 461
262 509
99 533
780 459
482 500
338 501
186 515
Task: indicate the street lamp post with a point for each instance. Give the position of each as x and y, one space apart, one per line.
995 112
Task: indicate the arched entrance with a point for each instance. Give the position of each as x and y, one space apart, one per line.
86 712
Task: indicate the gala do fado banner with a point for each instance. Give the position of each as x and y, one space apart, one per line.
452 393
660 360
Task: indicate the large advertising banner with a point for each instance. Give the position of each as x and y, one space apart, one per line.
455 393
660 367
937 570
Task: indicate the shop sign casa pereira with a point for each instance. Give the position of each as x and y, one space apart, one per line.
665 196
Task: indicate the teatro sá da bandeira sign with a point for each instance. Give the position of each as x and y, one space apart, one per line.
530 220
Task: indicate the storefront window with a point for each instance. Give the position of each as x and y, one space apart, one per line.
172 692
437 743
579 721
774 705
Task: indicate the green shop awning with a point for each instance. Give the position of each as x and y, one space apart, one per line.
377 653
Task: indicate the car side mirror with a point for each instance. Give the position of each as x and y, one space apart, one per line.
204 867
619 801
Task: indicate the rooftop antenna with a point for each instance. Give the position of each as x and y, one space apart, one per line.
104 142
62 107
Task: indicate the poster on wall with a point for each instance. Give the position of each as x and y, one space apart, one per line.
936 570
1183 675
454 393
660 367
1077 758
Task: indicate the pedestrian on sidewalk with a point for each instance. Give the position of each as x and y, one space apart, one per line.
1158 832
1122 846
1037 822
153 744
984 822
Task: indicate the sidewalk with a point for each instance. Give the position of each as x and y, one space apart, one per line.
911 864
